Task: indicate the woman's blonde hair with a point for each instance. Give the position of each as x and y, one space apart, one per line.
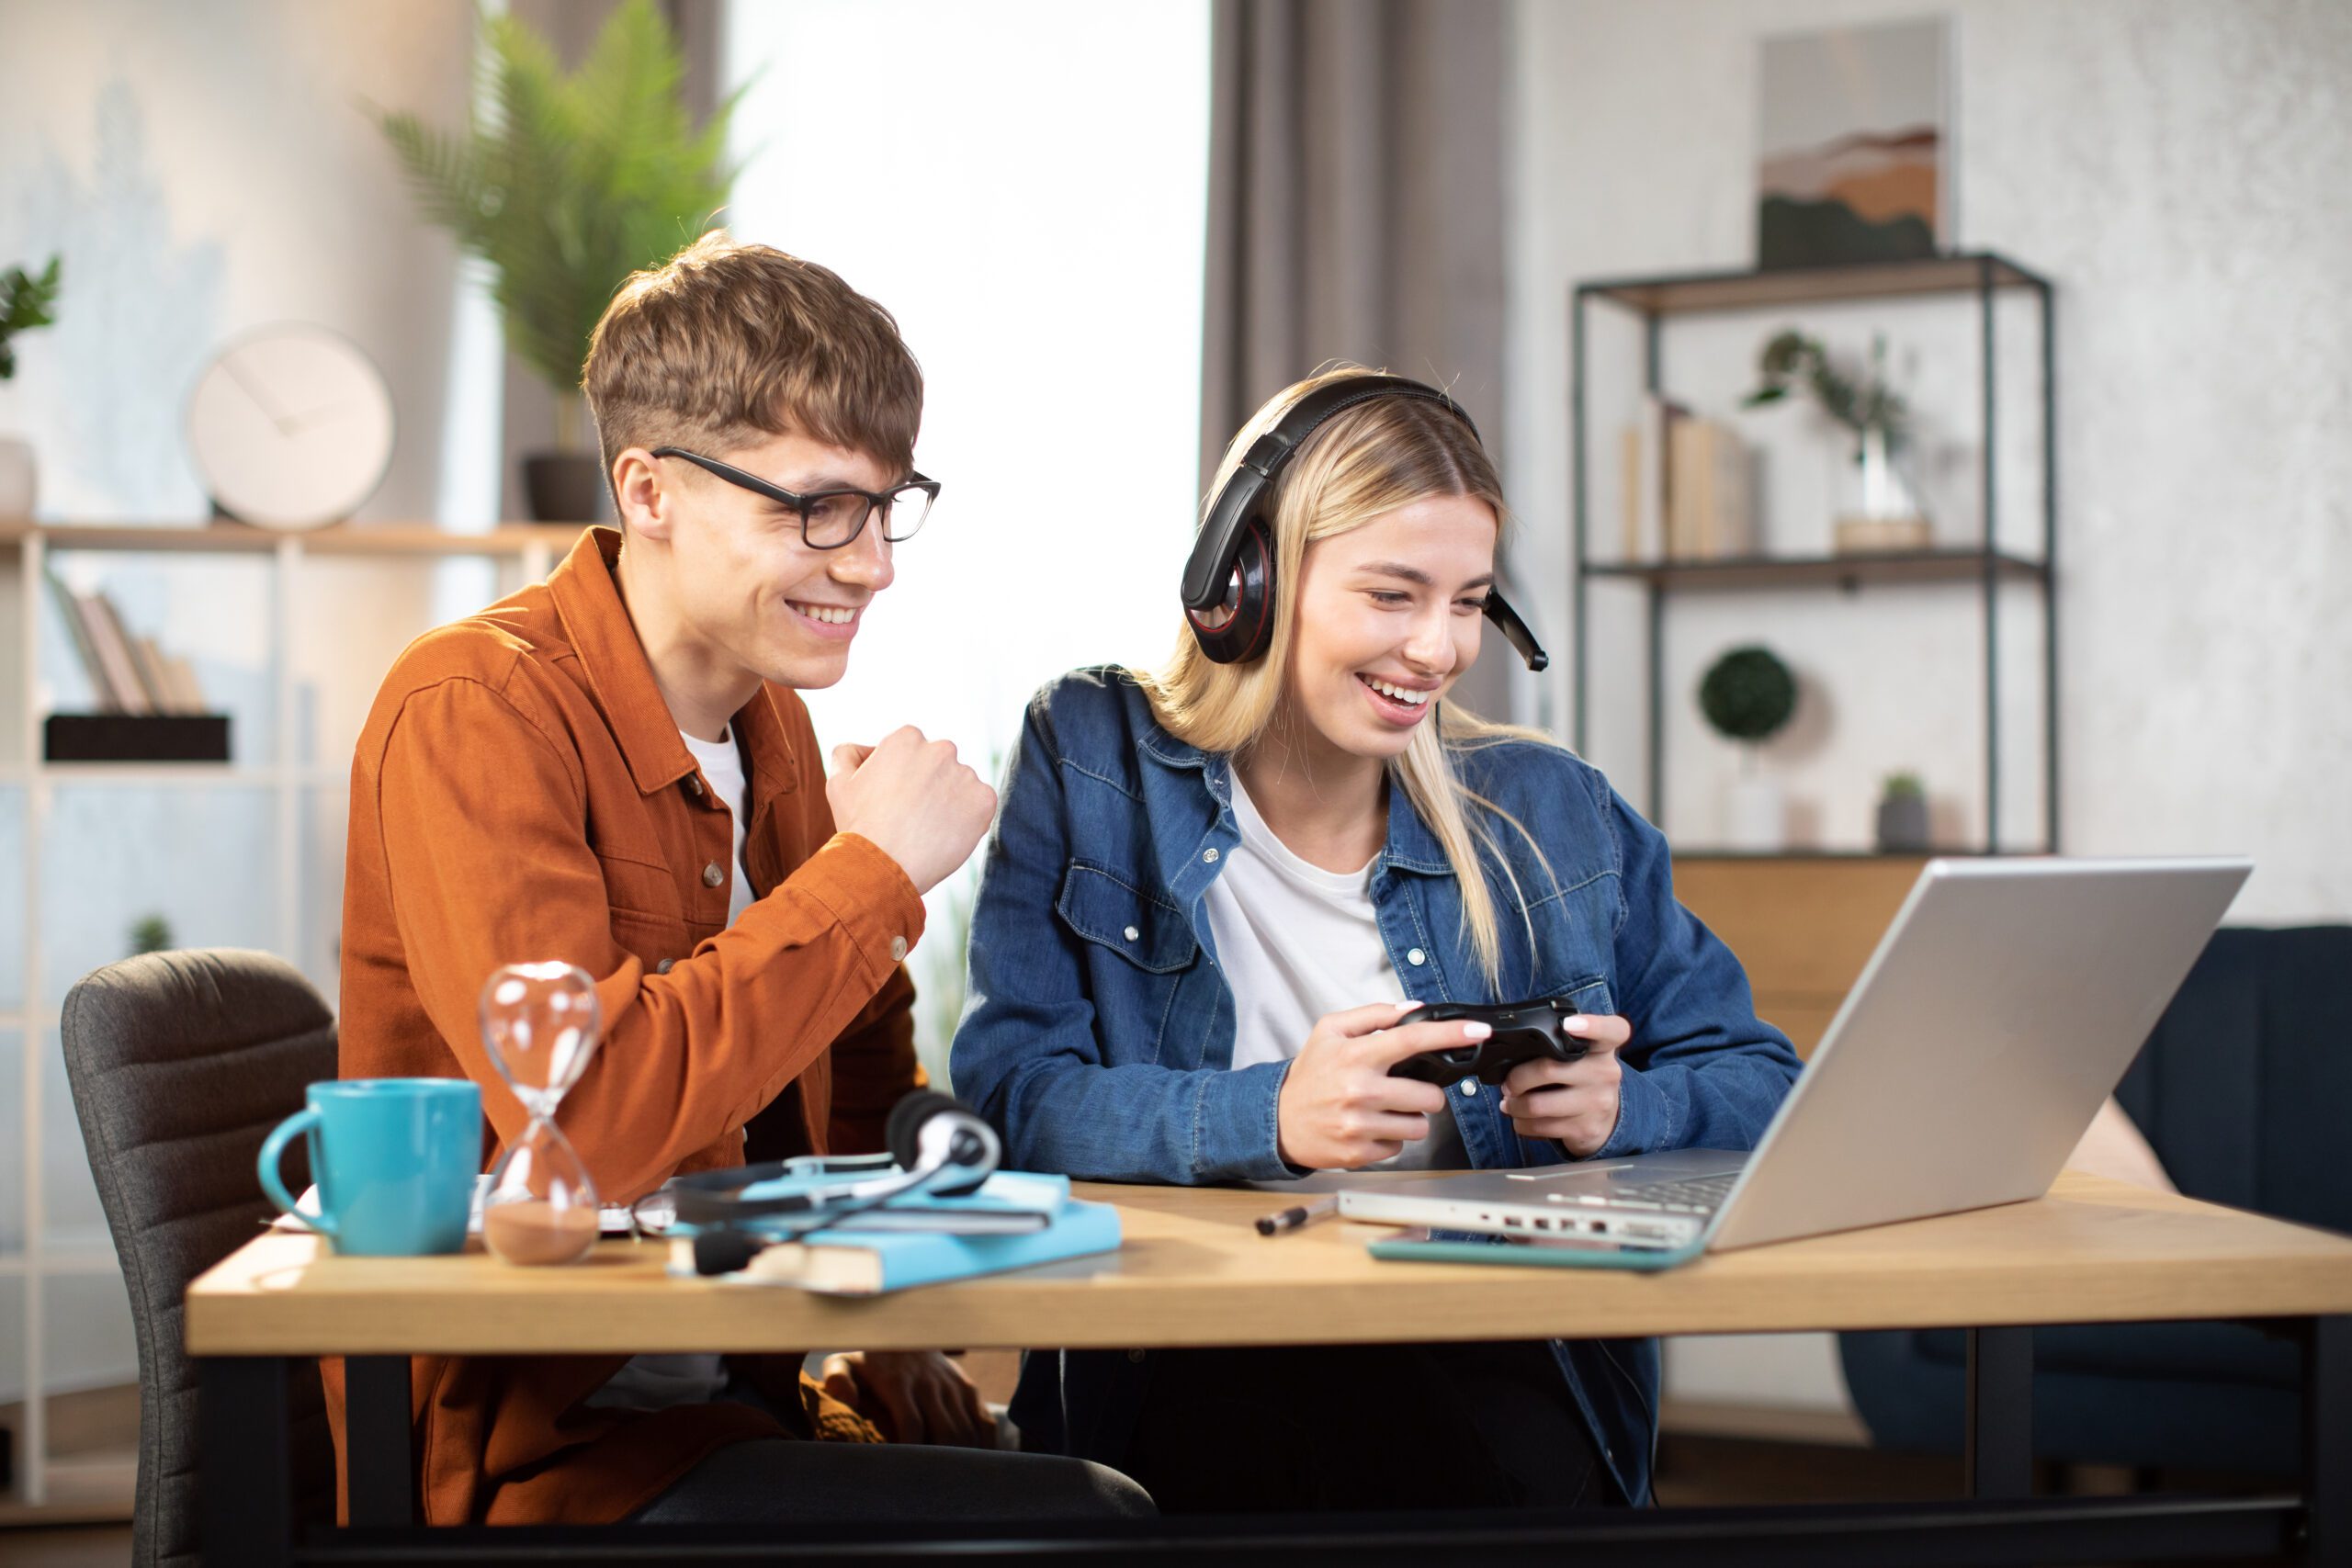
1360 464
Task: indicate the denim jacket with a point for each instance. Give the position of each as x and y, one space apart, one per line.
1098 1036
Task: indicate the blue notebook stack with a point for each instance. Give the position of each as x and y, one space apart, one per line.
865 1257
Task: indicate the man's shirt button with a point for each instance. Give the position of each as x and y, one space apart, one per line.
712 874
693 784
664 967
898 948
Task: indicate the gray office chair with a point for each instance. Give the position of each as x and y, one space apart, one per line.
181 1063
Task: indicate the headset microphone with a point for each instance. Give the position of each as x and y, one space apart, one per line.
1228 587
939 1147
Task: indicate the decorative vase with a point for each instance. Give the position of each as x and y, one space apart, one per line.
1759 815
564 487
1881 511
1901 823
19 477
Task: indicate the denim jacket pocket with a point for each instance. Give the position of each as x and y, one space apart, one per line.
1590 995
1149 933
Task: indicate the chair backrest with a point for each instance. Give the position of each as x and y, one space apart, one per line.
181 1063
2243 1086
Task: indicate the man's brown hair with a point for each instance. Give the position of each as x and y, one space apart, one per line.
727 342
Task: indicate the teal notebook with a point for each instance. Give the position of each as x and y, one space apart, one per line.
1538 1252
853 1262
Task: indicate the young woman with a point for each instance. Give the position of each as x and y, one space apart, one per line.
1217 889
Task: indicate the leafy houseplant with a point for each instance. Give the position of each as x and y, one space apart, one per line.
27 300
565 185
1884 515
1749 696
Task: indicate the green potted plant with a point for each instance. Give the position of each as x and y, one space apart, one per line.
1903 815
1881 511
149 933
27 300
565 184
1748 696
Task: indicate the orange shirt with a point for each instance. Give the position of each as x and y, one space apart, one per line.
521 792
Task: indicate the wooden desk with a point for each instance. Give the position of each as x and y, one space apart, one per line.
1193 1271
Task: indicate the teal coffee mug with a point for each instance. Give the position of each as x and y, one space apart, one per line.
394 1160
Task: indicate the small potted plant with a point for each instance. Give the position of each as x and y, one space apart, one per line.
1903 815
149 933
1748 696
569 182
27 300
1881 512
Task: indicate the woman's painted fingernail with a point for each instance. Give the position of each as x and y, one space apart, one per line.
1477 1030
1578 1026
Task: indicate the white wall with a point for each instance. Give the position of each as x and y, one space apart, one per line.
2175 166
204 170
1032 210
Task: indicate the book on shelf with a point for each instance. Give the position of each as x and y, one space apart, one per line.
1688 491
127 673
1710 493
1647 475
69 610
126 693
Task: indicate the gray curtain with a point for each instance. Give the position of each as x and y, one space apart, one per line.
1356 209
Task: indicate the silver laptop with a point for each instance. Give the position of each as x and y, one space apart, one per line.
2000 1009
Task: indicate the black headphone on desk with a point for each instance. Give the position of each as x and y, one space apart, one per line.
1229 578
939 1147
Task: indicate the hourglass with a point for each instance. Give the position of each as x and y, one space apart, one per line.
540 1023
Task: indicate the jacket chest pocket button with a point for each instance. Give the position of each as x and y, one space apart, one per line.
664 967
1131 933
694 785
712 876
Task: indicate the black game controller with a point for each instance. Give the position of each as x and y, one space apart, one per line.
1523 1031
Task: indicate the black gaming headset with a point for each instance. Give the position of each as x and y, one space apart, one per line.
1229 581
939 1147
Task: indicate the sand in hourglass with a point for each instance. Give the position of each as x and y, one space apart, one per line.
534 1232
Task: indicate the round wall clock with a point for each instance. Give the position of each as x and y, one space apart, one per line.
290 427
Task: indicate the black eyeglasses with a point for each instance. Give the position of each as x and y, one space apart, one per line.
833 517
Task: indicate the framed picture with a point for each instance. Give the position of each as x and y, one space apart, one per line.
1853 148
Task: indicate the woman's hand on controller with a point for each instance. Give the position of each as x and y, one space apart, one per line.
1574 1102
1339 1108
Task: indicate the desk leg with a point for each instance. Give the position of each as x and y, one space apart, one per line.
1998 1448
245 1473
383 1478
2327 1440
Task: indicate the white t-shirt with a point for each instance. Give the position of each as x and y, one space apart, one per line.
1296 942
722 768
659 1382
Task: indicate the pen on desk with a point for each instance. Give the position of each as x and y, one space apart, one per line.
1292 1218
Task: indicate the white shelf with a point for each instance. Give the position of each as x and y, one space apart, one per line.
60 1261
294 568
145 774
419 539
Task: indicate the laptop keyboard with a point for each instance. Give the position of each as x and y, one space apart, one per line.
1691 1195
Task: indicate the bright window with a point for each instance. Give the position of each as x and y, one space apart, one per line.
1025 185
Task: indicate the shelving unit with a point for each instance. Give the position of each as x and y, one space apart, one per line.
521 552
1657 302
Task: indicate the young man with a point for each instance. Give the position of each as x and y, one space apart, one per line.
611 769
